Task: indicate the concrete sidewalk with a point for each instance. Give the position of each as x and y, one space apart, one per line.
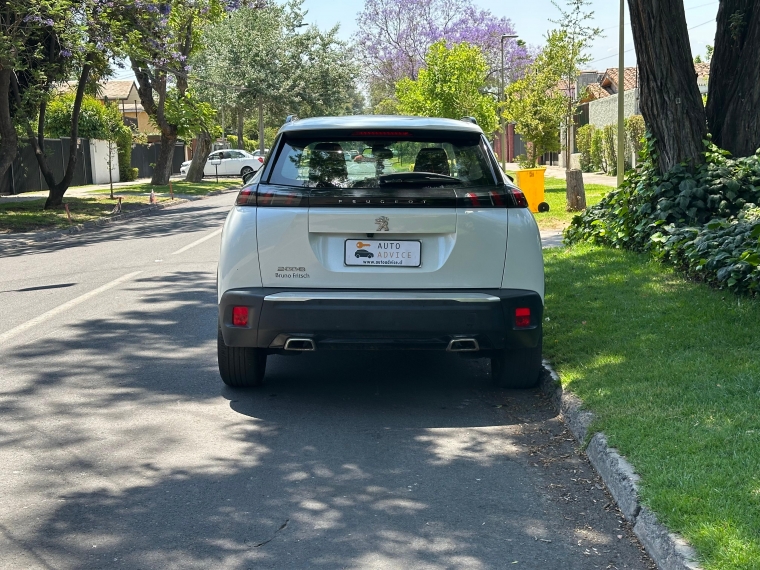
559 172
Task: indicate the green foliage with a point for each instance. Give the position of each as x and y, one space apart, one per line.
597 151
449 86
190 114
92 117
583 140
707 224
609 141
535 105
635 129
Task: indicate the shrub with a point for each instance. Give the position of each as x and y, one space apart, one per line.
707 223
583 140
609 141
635 129
597 151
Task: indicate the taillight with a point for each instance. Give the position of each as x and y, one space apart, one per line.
240 316
482 199
261 159
520 199
522 317
282 197
246 197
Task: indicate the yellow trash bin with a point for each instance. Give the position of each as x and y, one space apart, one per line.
531 182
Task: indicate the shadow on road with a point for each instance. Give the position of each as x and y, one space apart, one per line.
342 460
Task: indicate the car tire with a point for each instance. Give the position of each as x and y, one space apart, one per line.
246 170
240 367
519 368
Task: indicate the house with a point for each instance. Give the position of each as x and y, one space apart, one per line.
124 94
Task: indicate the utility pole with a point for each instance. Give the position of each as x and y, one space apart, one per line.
621 98
503 145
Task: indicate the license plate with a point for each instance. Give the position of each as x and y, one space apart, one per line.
384 253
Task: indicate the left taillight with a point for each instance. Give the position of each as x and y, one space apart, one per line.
261 159
246 197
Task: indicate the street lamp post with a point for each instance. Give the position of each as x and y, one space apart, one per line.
503 146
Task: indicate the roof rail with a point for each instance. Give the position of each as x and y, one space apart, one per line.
472 120
291 119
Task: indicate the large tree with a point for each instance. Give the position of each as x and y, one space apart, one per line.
734 90
394 35
169 34
450 86
670 101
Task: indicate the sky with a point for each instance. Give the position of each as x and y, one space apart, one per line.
532 20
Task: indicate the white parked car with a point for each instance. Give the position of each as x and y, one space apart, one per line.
230 162
373 232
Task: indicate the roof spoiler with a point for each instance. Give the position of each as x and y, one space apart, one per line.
472 120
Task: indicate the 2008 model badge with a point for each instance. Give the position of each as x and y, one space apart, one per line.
382 223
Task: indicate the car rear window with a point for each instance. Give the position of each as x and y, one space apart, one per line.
373 162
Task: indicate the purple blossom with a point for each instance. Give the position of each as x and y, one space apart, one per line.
394 36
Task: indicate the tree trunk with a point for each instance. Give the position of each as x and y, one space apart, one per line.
261 126
163 169
576 191
734 91
670 100
8 137
240 117
200 156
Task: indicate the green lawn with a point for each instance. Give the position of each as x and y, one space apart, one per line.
672 371
29 216
180 187
555 190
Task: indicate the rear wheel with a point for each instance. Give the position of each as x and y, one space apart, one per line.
246 170
520 368
240 367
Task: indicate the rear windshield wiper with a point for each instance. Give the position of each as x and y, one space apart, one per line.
417 178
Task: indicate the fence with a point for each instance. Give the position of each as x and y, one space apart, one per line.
144 157
25 175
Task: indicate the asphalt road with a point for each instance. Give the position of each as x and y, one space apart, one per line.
121 448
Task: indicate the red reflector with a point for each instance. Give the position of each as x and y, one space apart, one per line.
522 317
520 198
247 197
240 316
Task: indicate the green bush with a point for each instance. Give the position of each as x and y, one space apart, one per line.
635 129
609 142
706 223
597 151
583 138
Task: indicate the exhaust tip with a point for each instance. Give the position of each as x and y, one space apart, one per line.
302 344
463 345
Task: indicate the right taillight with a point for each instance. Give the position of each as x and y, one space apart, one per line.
522 317
520 200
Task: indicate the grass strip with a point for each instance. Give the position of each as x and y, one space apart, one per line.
28 215
180 187
672 371
555 194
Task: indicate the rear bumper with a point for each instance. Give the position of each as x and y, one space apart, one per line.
361 319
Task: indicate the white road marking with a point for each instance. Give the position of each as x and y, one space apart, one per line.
198 241
44 317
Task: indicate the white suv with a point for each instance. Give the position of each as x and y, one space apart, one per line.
381 232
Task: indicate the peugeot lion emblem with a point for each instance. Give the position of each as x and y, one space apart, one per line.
382 224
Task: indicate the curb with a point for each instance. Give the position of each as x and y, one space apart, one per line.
43 236
668 550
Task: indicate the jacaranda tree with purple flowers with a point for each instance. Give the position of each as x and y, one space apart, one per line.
395 35
169 34
44 45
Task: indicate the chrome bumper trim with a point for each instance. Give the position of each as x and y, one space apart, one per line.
296 297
